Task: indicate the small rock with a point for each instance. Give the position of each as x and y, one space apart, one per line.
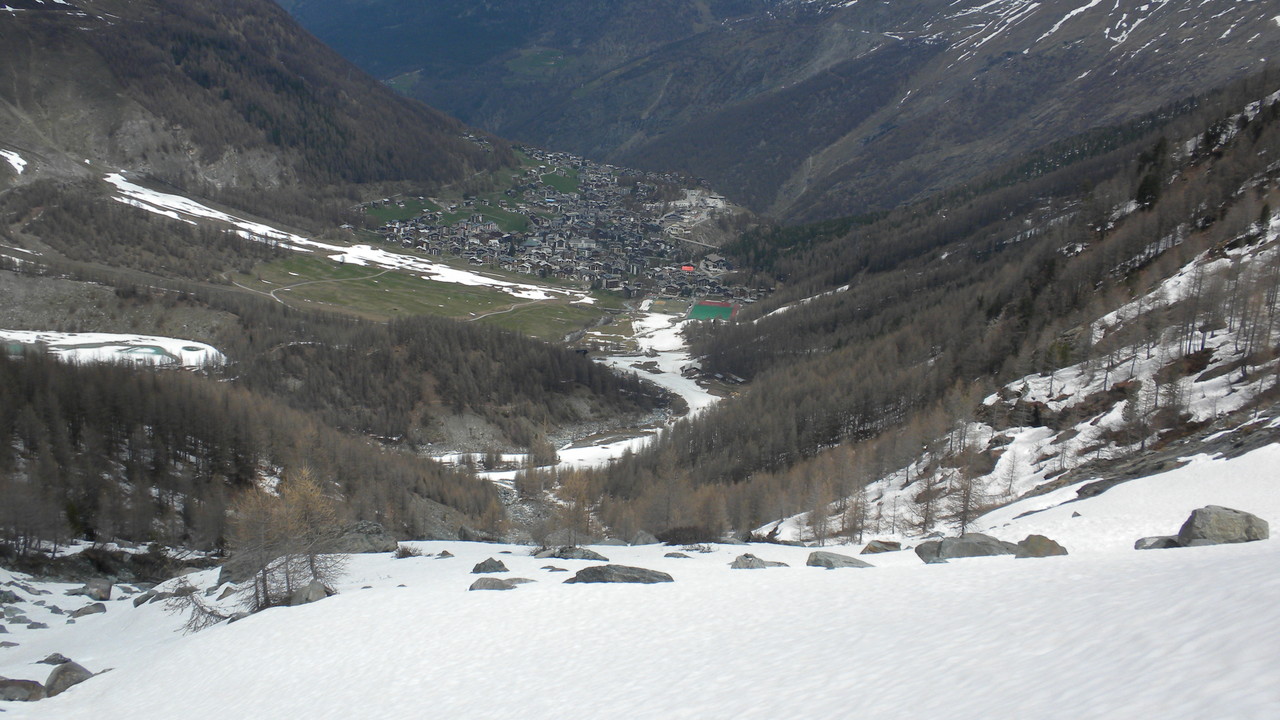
1038 546
553 568
226 593
881 546
1076 515
747 561
144 597
91 609
445 554
55 659
676 555
64 676
1158 542
1216 525
618 574
8 644
492 583
831 561
490 565
56 610
37 626
21 690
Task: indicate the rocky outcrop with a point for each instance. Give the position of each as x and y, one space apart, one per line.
747 561
489 565
364 537
1216 525
831 561
618 574
64 676
1038 546
967 545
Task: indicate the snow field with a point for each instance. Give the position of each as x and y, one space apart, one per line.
1106 632
114 347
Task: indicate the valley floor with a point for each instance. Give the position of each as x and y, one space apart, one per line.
1106 632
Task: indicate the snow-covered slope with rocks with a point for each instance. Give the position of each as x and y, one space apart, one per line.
1104 632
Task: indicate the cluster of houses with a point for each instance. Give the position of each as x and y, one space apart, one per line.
614 231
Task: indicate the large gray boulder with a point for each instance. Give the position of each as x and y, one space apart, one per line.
489 565
570 552
8 597
1038 546
314 591
98 589
364 537
831 561
21 690
1215 525
492 583
881 546
618 574
967 545
64 676
747 561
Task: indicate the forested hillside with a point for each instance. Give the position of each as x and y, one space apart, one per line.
894 328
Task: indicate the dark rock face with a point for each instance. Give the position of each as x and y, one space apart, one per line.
880 546
21 690
831 561
618 574
64 676
967 545
365 537
747 561
1215 525
490 565
1038 546
492 583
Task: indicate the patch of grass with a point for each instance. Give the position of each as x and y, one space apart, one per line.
403 84
548 321
537 61
413 207
565 180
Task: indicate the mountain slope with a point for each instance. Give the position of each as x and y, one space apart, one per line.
806 110
229 100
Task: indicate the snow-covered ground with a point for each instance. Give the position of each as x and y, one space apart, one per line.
184 209
114 347
14 159
1105 632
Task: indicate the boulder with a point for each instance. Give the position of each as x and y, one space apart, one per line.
747 561
8 644
967 545
644 538
444 554
570 552
98 589
492 583
8 597
3 630
618 574
553 568
490 565
21 690
311 593
676 555
1157 542
881 546
38 626
1038 546
831 561
1215 525
364 537
91 609
55 659
64 676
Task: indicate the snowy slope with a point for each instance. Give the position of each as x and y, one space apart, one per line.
114 347
1106 632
